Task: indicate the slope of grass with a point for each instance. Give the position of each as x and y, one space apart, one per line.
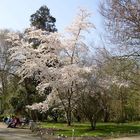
102 129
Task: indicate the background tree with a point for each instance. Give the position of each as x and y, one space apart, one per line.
122 73
6 68
122 20
89 98
42 19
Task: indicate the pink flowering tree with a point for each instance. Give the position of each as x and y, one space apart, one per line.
54 60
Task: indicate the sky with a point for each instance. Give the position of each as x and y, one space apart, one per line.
15 14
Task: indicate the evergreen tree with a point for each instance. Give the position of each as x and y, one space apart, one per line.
42 19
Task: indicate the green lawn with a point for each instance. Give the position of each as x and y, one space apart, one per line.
102 130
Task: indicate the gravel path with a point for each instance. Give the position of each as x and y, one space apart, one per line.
128 138
16 133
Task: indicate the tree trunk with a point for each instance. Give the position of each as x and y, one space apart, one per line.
93 124
69 118
4 91
106 116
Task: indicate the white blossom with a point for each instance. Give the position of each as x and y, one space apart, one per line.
52 58
42 106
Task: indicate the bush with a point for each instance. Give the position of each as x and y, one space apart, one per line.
1 117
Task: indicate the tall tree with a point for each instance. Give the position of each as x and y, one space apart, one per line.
122 20
42 19
55 62
5 66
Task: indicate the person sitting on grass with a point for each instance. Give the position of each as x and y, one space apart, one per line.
14 122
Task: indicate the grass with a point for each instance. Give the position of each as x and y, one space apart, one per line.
102 129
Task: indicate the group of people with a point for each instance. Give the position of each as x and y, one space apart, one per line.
13 121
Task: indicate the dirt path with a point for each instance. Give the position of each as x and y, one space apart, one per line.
16 134
128 138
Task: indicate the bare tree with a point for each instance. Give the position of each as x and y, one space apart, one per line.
122 20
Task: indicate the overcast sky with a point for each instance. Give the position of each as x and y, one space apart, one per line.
15 14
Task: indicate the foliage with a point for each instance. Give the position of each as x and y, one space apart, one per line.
121 73
42 19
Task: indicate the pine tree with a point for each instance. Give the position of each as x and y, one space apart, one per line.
42 19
